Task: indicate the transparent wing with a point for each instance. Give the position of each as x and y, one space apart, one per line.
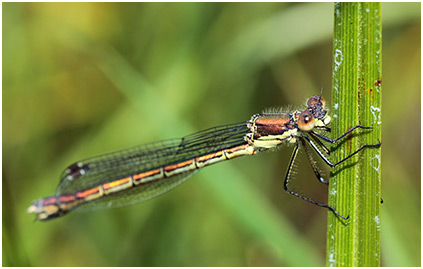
138 194
109 167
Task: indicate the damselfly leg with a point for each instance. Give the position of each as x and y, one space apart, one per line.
303 141
312 162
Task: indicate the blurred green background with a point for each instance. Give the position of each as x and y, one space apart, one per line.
82 79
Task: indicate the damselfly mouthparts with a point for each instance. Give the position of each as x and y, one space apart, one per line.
140 173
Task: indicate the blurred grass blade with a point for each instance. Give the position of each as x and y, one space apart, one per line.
355 186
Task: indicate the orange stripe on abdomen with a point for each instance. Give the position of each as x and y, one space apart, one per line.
116 183
84 194
169 168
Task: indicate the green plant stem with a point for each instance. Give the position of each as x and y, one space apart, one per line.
356 98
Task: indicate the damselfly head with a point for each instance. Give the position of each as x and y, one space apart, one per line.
316 106
316 99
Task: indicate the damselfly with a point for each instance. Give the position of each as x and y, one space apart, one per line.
140 173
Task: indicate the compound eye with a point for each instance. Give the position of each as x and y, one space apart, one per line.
316 101
306 121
